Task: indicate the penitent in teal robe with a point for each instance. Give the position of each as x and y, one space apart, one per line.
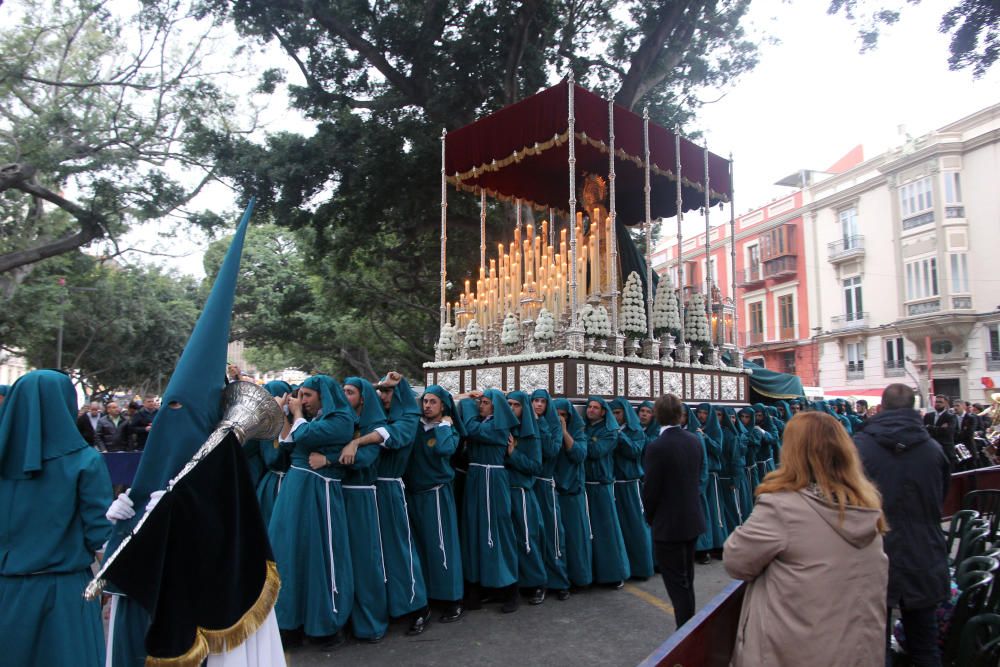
523 465
569 478
308 529
54 490
610 558
628 497
553 533
489 552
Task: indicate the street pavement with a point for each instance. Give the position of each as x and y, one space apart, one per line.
598 627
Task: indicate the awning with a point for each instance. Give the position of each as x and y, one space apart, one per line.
521 152
861 393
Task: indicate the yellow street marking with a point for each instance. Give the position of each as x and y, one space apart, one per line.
650 598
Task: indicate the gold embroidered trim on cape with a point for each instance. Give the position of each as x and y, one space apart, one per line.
220 641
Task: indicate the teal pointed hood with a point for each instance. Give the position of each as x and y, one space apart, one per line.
549 421
372 415
711 427
404 403
38 424
528 427
633 427
278 388
575 424
449 406
331 394
191 405
610 422
653 430
503 416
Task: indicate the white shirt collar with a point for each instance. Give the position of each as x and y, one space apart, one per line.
664 428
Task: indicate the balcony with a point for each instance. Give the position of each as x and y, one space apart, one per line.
918 220
954 211
751 276
961 302
787 333
845 249
783 267
923 308
993 361
855 370
753 338
894 368
849 321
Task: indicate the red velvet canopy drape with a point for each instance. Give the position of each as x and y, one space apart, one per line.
521 151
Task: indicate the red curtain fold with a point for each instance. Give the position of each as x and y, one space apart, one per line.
542 177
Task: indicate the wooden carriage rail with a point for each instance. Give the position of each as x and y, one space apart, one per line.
707 639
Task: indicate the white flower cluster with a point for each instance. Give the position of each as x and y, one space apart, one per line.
666 312
633 307
449 338
595 321
545 327
473 336
696 323
510 334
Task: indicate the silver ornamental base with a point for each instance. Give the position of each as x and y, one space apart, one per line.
575 339
651 349
619 345
684 350
632 345
708 355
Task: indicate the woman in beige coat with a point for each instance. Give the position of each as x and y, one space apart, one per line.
812 552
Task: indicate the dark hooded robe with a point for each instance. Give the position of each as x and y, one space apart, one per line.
628 497
610 558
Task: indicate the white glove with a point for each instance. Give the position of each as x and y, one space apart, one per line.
121 509
154 498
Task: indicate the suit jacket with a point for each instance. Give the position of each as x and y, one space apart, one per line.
968 424
671 494
943 431
86 428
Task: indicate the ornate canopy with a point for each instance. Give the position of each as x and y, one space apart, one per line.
521 152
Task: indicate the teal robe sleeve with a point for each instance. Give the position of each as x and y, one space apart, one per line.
447 440
526 457
320 434
402 431
578 452
602 445
94 497
550 445
703 477
629 447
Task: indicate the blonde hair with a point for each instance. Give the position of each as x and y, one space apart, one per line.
817 450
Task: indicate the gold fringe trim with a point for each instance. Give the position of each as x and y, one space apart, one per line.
220 641
780 397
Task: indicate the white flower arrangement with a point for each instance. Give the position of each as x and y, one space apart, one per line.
696 327
598 324
666 311
449 338
633 315
473 336
510 334
545 326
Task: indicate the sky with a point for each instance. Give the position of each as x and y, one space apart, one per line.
811 98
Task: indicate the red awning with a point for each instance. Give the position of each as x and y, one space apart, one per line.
522 151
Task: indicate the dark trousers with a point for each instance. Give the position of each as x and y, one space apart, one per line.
921 630
676 561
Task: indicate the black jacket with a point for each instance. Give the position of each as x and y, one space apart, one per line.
137 426
943 431
671 494
115 438
86 429
912 474
967 425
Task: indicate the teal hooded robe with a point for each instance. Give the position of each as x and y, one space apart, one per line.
610 558
54 490
628 495
308 528
370 617
523 465
489 549
768 440
407 590
433 514
738 502
275 460
553 534
715 528
569 477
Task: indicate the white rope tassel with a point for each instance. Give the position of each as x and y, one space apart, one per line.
444 552
329 535
718 508
638 494
590 527
281 478
489 519
524 514
381 550
555 518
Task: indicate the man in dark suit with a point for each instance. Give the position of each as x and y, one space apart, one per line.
672 502
940 424
87 424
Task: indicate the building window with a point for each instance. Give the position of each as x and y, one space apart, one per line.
712 270
855 360
921 279
852 299
786 316
916 203
849 228
895 361
993 355
952 188
756 316
959 273
788 362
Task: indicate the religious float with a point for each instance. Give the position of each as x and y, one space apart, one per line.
571 305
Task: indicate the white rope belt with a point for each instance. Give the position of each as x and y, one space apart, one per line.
329 534
281 477
638 493
555 513
489 518
736 496
409 538
718 508
524 513
586 497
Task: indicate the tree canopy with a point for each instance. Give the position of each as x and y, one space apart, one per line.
96 114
